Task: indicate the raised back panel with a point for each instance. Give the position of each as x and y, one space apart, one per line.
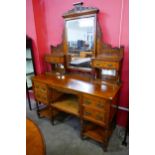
100 52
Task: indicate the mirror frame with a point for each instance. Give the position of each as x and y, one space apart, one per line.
80 12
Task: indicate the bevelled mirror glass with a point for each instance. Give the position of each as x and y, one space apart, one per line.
80 35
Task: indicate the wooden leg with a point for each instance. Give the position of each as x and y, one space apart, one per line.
82 129
38 111
126 133
124 141
105 140
104 146
52 115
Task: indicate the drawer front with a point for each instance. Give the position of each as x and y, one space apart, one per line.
94 115
53 59
41 97
41 92
95 102
106 65
57 60
40 87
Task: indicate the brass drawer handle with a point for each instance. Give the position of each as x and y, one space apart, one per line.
100 105
109 65
99 117
88 102
87 113
43 89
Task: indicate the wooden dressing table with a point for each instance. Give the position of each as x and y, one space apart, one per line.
90 98
87 100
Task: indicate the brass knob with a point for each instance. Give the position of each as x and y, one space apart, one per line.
109 65
43 89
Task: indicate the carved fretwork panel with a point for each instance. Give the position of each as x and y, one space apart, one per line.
57 49
80 10
106 50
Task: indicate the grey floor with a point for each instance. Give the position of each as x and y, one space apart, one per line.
64 137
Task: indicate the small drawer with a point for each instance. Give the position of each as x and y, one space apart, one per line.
41 92
41 98
54 59
95 102
106 65
40 87
94 115
111 65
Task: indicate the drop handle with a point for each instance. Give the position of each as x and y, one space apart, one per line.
100 105
87 102
87 113
43 89
109 65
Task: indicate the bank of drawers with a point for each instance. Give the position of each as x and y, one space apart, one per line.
95 109
41 92
105 64
44 94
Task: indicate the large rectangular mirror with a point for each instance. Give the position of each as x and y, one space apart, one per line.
80 35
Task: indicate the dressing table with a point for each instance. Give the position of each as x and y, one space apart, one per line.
93 97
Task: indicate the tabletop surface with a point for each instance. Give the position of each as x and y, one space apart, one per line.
79 84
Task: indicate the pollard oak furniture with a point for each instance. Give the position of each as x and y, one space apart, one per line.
90 83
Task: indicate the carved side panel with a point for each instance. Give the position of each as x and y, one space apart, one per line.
106 49
62 47
99 43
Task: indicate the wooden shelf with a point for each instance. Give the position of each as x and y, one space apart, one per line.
46 112
68 103
96 133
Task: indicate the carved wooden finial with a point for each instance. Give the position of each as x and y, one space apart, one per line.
77 4
80 10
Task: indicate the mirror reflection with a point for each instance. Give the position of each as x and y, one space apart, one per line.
80 40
